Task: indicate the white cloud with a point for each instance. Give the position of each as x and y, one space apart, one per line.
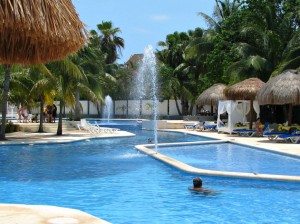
159 18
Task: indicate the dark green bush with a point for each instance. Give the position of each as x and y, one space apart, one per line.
11 127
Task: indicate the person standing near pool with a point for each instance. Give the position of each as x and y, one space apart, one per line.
197 187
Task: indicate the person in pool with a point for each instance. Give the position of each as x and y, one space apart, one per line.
197 187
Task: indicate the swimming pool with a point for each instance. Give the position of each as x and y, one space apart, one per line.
234 158
118 123
110 179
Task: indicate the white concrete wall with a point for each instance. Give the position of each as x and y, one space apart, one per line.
120 107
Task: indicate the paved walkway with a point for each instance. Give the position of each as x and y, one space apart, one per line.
68 136
33 214
260 142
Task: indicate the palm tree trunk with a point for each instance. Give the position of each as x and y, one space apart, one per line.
41 126
7 77
98 109
177 106
251 114
184 106
127 108
168 107
290 114
141 107
59 127
191 109
77 111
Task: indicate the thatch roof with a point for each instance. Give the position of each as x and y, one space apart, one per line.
245 90
281 89
212 95
38 31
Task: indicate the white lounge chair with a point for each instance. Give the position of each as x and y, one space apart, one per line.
105 129
85 126
194 126
95 128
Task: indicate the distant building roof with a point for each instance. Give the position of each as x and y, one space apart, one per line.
134 61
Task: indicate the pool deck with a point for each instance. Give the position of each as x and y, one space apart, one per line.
41 214
259 142
68 136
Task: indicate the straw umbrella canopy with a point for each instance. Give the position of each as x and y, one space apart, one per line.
245 90
36 31
282 89
212 95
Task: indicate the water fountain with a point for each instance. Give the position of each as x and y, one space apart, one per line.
146 84
107 110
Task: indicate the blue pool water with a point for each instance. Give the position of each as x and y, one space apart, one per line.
121 124
233 157
110 179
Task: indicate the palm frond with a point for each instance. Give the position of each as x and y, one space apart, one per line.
209 20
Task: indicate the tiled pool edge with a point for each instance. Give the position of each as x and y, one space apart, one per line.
190 169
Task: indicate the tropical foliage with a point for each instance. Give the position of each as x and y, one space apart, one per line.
250 38
243 39
88 74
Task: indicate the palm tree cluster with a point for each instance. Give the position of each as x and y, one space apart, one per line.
82 75
245 38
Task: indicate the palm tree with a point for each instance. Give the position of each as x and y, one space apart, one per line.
68 78
223 10
42 89
111 43
90 61
172 56
266 39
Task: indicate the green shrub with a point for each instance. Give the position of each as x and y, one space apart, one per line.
11 127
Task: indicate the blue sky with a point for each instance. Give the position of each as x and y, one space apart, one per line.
144 22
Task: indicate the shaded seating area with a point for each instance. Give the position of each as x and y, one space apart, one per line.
237 111
283 89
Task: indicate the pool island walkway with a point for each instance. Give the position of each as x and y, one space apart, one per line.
258 142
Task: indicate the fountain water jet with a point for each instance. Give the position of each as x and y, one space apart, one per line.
107 110
146 84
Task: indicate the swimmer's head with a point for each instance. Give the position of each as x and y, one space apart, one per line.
197 182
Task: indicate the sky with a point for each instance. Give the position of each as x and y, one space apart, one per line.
144 22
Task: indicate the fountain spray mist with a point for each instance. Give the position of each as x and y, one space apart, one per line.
107 110
147 84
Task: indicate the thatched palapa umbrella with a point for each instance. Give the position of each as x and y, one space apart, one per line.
212 95
245 90
282 89
36 31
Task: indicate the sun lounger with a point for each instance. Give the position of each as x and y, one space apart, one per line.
272 135
84 125
245 132
294 137
192 126
95 128
209 125
105 129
